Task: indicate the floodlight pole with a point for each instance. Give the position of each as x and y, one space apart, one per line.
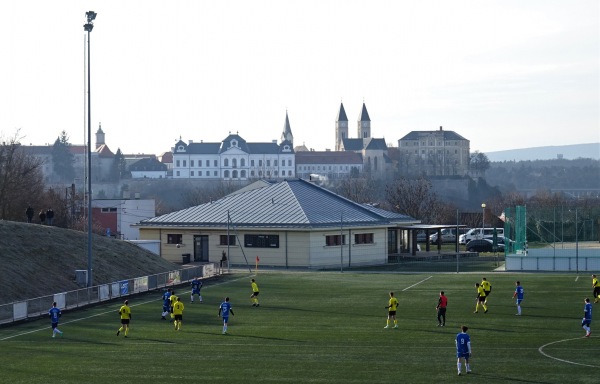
90 16
482 219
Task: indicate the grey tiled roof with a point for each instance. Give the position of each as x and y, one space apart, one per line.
374 143
148 164
352 144
418 135
287 204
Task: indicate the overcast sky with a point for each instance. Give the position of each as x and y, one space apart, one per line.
503 74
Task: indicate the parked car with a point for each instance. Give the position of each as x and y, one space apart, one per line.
479 233
421 237
483 245
448 236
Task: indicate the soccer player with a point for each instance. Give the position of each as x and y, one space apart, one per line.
178 313
224 310
172 301
55 314
586 322
196 286
254 296
596 287
125 313
463 349
392 307
441 309
487 287
519 295
166 303
480 298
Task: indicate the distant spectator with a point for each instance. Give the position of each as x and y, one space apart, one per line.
29 212
50 216
223 258
42 218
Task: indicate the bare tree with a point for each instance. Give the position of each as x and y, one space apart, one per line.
360 190
21 180
413 197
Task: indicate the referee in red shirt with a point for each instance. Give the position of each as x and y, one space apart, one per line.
441 309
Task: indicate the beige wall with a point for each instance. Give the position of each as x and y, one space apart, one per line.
297 248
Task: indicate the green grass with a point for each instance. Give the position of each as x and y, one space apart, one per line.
322 327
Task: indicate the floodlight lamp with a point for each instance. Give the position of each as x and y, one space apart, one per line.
91 15
483 205
88 27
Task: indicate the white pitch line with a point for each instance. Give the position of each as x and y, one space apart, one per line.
422 281
103 313
577 278
540 349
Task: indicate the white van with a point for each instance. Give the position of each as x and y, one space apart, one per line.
479 233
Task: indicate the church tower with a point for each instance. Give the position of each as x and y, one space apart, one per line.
364 124
341 128
99 136
287 131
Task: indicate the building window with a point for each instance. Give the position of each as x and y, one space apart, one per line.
242 162
234 174
260 163
261 241
275 173
226 162
177 163
174 238
290 163
223 240
259 173
199 163
177 173
192 173
275 162
243 174
234 163
226 174
185 163
251 173
108 209
215 163
191 163
215 173
333 240
363 238
252 163
268 163
200 173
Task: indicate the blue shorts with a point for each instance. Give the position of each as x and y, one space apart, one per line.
195 291
587 322
225 319
54 325
166 308
519 301
464 355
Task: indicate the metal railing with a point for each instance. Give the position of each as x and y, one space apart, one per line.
39 306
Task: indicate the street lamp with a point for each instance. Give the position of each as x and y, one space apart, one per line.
90 16
482 217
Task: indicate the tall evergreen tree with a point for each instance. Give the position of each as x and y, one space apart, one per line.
118 169
62 158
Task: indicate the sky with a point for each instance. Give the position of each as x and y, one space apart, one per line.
503 74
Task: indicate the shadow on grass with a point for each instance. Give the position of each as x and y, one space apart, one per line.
507 379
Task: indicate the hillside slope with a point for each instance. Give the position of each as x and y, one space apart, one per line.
38 260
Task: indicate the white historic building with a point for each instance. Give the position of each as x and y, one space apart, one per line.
235 159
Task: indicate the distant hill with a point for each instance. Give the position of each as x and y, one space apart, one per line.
569 152
38 260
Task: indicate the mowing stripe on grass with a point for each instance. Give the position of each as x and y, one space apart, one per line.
422 281
541 350
104 313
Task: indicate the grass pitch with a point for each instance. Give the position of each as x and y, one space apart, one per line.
321 327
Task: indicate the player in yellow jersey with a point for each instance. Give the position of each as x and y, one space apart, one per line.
392 307
125 313
178 313
487 287
596 286
254 296
173 300
480 298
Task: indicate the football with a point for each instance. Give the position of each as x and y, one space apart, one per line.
178 245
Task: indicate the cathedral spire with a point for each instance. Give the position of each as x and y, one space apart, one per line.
287 130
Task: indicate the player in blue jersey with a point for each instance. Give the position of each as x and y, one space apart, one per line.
55 314
166 303
196 286
519 295
224 310
463 349
586 322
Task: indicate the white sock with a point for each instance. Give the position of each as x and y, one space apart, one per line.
519 309
468 367
458 365
200 298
